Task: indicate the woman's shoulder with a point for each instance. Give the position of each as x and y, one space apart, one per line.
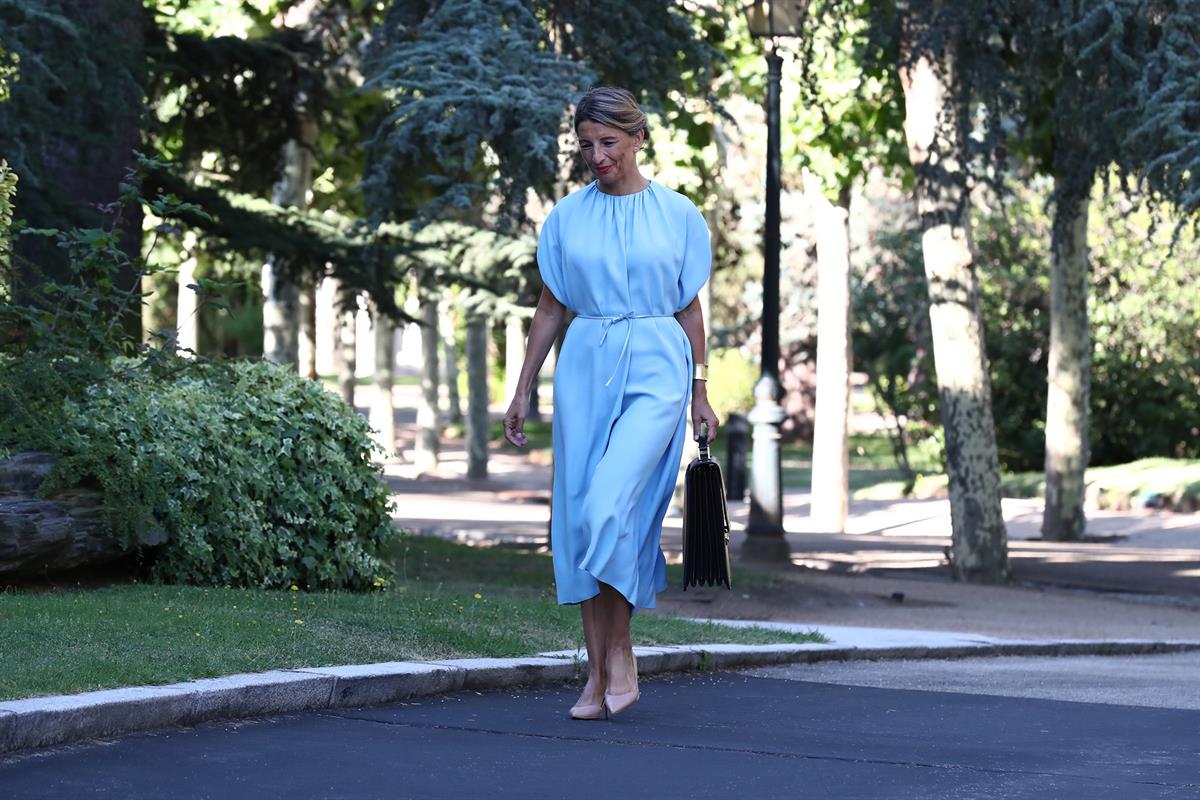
676 199
574 198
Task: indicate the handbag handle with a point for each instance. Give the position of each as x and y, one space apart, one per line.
704 441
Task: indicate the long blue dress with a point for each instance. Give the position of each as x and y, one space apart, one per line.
624 264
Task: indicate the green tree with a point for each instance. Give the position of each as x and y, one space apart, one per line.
72 120
848 123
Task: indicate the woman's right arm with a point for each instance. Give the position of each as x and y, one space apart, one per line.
543 330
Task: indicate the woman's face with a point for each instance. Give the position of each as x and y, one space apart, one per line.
610 153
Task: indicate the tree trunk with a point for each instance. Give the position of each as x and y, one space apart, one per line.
454 412
281 294
188 308
428 430
345 345
159 310
514 354
477 395
383 414
935 127
1069 373
831 442
83 163
307 343
281 315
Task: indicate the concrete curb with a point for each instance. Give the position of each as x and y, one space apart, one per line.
47 721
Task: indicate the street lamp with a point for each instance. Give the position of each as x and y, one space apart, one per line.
764 533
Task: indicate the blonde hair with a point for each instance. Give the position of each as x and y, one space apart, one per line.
614 107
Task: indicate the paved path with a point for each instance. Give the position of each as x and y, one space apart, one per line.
798 733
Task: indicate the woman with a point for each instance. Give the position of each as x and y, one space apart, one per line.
628 257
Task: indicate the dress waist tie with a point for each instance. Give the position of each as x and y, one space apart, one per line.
609 321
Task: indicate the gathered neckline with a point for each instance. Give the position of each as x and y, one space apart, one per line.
639 192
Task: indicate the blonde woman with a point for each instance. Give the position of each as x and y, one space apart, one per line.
627 256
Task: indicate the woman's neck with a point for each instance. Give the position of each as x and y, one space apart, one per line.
631 184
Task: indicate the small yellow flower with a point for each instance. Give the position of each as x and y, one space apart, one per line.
299 622
478 596
293 588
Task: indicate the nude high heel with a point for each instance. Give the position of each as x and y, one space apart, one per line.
616 702
590 711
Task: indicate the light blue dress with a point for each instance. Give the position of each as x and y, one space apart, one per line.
624 264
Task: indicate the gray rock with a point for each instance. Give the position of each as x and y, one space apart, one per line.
24 473
41 535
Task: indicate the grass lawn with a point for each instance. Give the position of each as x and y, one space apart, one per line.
449 601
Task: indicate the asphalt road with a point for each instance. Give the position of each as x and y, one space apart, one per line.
699 736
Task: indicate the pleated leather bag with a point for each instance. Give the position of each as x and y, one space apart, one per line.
705 523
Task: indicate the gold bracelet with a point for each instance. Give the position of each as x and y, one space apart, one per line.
700 373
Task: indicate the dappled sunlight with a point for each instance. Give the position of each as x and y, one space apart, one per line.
853 563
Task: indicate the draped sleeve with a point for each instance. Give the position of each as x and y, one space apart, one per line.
697 258
550 257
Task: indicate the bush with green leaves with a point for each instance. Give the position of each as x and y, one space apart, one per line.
732 377
258 477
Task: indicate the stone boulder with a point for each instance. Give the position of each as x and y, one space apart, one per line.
40 536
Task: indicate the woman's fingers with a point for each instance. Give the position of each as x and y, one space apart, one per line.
514 430
706 422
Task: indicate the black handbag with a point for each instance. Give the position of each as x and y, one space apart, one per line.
705 523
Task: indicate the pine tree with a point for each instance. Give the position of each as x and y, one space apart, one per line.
475 94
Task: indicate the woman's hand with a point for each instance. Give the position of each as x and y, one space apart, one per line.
702 413
514 421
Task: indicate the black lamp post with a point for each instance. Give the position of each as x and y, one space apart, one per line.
764 534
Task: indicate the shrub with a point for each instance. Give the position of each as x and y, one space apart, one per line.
257 476
731 382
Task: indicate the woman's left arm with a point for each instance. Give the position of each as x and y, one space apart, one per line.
692 321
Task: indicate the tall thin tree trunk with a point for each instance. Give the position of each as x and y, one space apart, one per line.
383 414
831 441
454 412
188 308
935 126
428 429
514 354
1069 373
281 294
343 344
307 343
478 427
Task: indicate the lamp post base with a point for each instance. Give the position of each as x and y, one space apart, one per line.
764 531
765 549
